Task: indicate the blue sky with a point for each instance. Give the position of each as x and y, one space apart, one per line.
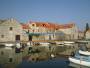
56 11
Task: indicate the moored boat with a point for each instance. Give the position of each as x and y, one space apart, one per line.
60 43
68 42
84 52
9 45
81 58
44 43
80 61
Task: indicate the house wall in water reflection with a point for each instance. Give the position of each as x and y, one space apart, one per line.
8 55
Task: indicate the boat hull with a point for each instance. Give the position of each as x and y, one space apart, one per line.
9 45
68 42
78 61
84 52
60 43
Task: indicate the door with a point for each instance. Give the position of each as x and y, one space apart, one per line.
17 37
30 38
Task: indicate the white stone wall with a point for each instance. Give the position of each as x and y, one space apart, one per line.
87 35
9 35
72 32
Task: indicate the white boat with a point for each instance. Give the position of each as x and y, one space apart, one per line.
83 41
68 42
9 45
79 61
81 58
84 52
44 44
59 43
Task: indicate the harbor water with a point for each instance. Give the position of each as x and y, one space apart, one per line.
38 57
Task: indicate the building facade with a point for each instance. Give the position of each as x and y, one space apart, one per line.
52 31
80 35
70 30
88 34
11 31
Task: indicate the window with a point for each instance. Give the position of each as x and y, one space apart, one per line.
10 28
2 36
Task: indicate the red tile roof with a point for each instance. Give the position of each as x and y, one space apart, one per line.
53 26
25 26
65 26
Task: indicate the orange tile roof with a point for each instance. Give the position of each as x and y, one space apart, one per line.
25 26
50 25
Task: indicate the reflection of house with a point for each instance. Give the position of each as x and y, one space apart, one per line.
88 34
8 56
11 30
70 30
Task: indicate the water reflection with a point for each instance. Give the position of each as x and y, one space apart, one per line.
36 56
77 66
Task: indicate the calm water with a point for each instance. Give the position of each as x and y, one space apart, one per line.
54 63
18 62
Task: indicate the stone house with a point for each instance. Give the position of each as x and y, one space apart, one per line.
52 31
70 30
11 31
87 35
80 35
46 30
39 30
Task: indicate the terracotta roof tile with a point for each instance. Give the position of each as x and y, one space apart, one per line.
53 26
25 26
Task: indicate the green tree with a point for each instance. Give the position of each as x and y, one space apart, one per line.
86 29
87 26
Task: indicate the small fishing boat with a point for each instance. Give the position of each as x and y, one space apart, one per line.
68 42
84 52
9 45
81 58
44 43
59 43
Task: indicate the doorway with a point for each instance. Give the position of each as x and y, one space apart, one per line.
30 38
17 38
